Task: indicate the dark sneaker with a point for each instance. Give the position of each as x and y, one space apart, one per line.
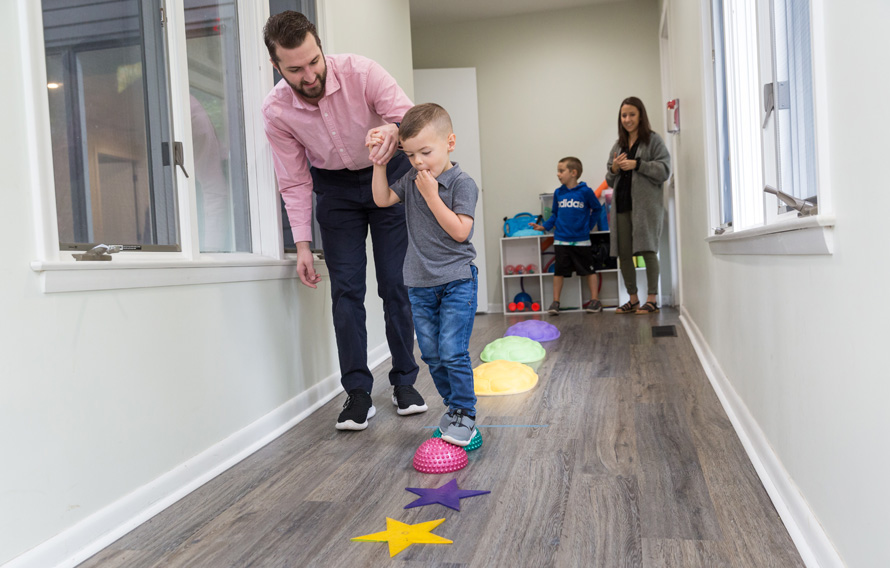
593 306
461 429
408 400
357 409
553 310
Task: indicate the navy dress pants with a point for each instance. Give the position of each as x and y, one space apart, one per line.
345 211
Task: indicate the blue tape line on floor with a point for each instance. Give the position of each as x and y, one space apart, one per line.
502 426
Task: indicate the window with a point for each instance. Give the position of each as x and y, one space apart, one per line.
307 8
114 141
110 123
217 121
764 106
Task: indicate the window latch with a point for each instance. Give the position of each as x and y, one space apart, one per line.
99 252
179 157
804 208
776 96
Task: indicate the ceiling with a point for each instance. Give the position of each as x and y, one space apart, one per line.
430 12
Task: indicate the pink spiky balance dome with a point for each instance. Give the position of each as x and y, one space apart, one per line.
438 456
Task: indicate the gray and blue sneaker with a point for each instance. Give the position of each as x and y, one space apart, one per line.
460 430
445 420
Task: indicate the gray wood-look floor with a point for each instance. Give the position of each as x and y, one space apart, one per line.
620 456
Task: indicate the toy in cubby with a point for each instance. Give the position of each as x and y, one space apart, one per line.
511 269
522 302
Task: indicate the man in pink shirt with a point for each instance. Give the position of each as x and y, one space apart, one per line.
318 120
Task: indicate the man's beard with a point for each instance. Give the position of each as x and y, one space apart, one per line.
316 91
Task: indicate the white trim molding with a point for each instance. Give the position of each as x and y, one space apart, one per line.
803 526
806 235
136 272
98 531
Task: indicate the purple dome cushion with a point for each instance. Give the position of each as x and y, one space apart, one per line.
538 330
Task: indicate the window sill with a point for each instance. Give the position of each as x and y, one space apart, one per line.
807 235
129 272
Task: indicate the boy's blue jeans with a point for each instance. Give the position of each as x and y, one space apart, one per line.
443 321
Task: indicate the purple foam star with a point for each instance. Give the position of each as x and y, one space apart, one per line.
449 495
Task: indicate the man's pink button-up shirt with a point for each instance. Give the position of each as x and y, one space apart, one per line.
359 95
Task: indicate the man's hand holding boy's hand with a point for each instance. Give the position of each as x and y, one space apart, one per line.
383 142
427 185
537 227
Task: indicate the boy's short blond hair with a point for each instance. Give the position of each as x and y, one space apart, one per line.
419 117
572 163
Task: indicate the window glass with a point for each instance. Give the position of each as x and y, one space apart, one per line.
217 125
307 8
763 90
795 113
109 120
724 167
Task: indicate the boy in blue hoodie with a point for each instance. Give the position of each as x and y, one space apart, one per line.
575 211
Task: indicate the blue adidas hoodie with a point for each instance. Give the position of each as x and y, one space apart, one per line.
575 211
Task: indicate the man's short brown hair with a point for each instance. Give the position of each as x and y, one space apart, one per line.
418 117
289 30
572 163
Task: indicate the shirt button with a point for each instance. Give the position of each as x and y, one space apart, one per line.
325 114
341 149
334 133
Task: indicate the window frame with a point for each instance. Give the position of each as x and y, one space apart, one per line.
57 269
777 234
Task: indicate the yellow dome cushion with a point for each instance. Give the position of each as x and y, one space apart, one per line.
503 377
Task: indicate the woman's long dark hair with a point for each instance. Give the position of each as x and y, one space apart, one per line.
644 131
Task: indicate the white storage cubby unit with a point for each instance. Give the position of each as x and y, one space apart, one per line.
525 251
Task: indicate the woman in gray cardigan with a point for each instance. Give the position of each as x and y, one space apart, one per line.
639 164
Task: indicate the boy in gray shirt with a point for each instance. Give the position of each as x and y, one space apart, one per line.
440 203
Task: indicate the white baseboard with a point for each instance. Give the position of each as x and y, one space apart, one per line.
102 528
809 537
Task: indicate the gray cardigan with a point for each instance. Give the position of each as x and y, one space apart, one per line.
647 192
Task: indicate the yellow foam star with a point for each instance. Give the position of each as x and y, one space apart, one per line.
400 535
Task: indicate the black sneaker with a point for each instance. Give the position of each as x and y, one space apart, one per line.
408 400
553 310
357 409
593 307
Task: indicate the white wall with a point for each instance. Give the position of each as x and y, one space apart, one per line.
102 393
802 340
379 30
549 86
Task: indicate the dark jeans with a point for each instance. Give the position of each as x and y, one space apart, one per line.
345 211
443 317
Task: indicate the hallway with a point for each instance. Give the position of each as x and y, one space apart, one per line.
620 456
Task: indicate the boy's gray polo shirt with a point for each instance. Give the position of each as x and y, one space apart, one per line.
433 257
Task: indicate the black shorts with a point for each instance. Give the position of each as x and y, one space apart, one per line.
577 259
